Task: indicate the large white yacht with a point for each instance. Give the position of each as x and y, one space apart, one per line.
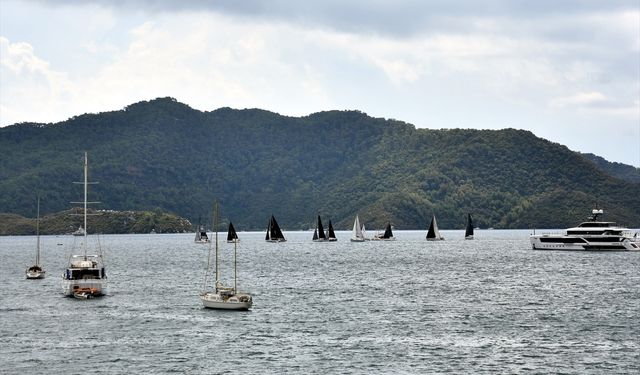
85 276
593 234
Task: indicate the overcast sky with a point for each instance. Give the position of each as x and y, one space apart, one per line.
568 70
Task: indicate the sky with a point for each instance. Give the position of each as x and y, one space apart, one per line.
568 71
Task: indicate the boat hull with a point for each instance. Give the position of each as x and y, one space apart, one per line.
358 240
33 275
582 243
220 302
97 286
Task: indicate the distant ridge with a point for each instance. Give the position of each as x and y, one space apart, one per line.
623 171
164 155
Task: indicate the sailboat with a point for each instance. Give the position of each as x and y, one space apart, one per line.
223 297
201 234
274 234
318 233
468 233
85 276
433 234
36 271
331 234
358 231
386 236
232 236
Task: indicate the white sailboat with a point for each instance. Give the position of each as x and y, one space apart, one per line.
359 234
85 276
223 297
433 234
37 271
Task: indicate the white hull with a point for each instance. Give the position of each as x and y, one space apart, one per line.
31 275
583 243
221 302
71 286
383 239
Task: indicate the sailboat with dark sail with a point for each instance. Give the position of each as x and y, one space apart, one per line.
37 271
318 233
232 236
468 233
274 233
223 297
85 276
331 234
386 236
433 234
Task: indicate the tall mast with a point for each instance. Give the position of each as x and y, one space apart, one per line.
86 169
235 267
215 224
38 234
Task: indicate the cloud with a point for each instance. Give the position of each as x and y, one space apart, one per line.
30 88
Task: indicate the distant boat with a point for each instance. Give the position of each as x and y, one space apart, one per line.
85 276
433 234
232 236
37 271
274 234
79 232
358 231
386 236
224 297
201 234
318 233
331 235
468 233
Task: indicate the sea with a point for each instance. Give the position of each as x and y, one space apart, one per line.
483 306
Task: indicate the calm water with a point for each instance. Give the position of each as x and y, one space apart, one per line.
490 305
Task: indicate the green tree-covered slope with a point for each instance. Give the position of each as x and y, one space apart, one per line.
165 155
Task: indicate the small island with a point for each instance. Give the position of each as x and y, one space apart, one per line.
110 222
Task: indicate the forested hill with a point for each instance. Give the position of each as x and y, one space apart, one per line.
165 155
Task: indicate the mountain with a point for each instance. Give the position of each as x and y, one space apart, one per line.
164 155
622 171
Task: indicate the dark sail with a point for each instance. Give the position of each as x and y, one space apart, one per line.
431 233
231 233
387 231
321 234
468 233
315 234
332 235
274 234
268 236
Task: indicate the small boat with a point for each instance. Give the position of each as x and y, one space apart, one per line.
232 236
201 234
79 232
468 233
86 293
593 234
433 234
358 231
223 297
36 271
386 236
318 233
274 233
85 274
331 234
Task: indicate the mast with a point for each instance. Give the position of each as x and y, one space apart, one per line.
38 234
235 267
215 218
86 169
